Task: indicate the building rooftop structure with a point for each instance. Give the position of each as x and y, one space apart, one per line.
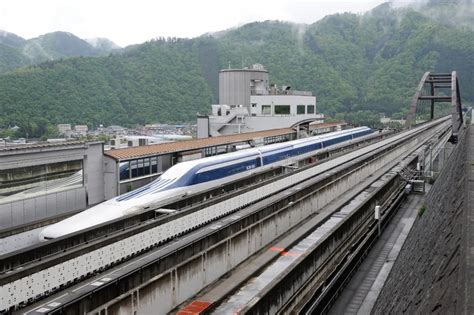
48 146
248 103
134 152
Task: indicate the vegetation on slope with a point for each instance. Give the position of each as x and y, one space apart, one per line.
357 64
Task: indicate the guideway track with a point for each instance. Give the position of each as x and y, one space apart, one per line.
297 178
314 280
311 283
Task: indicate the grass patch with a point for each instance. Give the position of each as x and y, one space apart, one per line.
421 210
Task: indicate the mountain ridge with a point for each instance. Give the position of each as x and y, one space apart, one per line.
16 51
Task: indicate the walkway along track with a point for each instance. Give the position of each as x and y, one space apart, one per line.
57 267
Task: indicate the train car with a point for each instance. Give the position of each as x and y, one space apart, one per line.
199 175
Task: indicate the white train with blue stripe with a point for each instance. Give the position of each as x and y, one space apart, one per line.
196 176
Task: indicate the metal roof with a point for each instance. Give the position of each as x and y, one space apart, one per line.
156 149
12 149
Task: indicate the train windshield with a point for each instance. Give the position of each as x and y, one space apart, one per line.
178 170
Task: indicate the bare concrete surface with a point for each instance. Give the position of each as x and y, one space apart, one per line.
434 270
17 241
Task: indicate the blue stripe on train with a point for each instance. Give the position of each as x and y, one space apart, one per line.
193 178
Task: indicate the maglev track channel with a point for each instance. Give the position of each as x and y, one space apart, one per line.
62 270
329 179
345 226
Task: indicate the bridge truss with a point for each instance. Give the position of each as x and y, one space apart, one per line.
436 88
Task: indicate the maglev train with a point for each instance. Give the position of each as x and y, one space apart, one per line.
199 175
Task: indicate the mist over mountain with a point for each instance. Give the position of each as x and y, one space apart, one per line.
16 51
357 66
457 13
102 44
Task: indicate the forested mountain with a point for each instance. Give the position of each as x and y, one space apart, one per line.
16 52
357 64
12 40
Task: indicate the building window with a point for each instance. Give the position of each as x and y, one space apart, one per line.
310 109
266 109
154 165
133 168
300 110
210 151
254 105
38 178
124 170
146 166
282 109
140 167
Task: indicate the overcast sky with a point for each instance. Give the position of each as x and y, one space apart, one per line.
134 21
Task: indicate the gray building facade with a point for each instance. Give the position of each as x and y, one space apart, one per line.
42 181
236 85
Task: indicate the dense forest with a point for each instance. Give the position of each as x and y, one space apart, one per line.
358 66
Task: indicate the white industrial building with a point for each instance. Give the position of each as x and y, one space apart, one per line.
247 103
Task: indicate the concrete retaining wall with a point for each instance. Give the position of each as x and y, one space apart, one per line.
427 277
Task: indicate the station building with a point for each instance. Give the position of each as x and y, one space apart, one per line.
46 180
